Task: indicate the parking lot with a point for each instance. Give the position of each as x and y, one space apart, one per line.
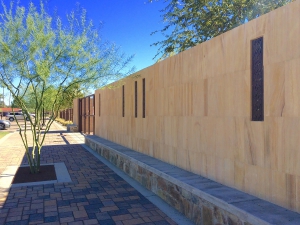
14 126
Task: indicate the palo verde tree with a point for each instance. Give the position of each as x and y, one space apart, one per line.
190 22
66 100
45 60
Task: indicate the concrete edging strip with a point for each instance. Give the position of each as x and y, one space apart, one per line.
8 174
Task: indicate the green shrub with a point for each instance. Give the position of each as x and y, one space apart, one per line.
63 122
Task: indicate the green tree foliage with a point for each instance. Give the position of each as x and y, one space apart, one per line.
65 99
68 96
1 100
190 22
44 63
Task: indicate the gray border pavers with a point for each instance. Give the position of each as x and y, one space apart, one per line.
7 176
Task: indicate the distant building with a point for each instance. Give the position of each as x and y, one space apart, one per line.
5 111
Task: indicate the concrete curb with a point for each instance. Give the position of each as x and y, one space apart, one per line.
7 176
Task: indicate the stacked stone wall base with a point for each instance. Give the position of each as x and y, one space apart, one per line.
203 201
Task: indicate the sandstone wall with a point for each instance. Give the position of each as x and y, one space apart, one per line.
198 110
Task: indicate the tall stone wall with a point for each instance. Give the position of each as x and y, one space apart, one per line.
198 109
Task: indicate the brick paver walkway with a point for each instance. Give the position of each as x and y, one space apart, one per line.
96 196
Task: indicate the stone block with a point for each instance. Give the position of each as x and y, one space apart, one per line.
105 153
112 158
149 179
246 223
174 191
187 207
141 170
153 184
133 171
234 220
120 163
161 184
196 214
207 215
127 166
72 128
219 216
163 196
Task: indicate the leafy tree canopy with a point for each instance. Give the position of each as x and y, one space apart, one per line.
44 62
190 22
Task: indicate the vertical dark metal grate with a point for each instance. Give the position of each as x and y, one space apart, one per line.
135 99
84 115
94 114
257 68
144 98
123 101
80 115
99 105
89 113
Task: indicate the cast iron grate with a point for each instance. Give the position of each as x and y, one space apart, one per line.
257 80
144 98
135 99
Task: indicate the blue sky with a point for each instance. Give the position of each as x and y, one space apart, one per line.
128 23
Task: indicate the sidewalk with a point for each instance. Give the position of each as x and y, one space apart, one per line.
96 195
